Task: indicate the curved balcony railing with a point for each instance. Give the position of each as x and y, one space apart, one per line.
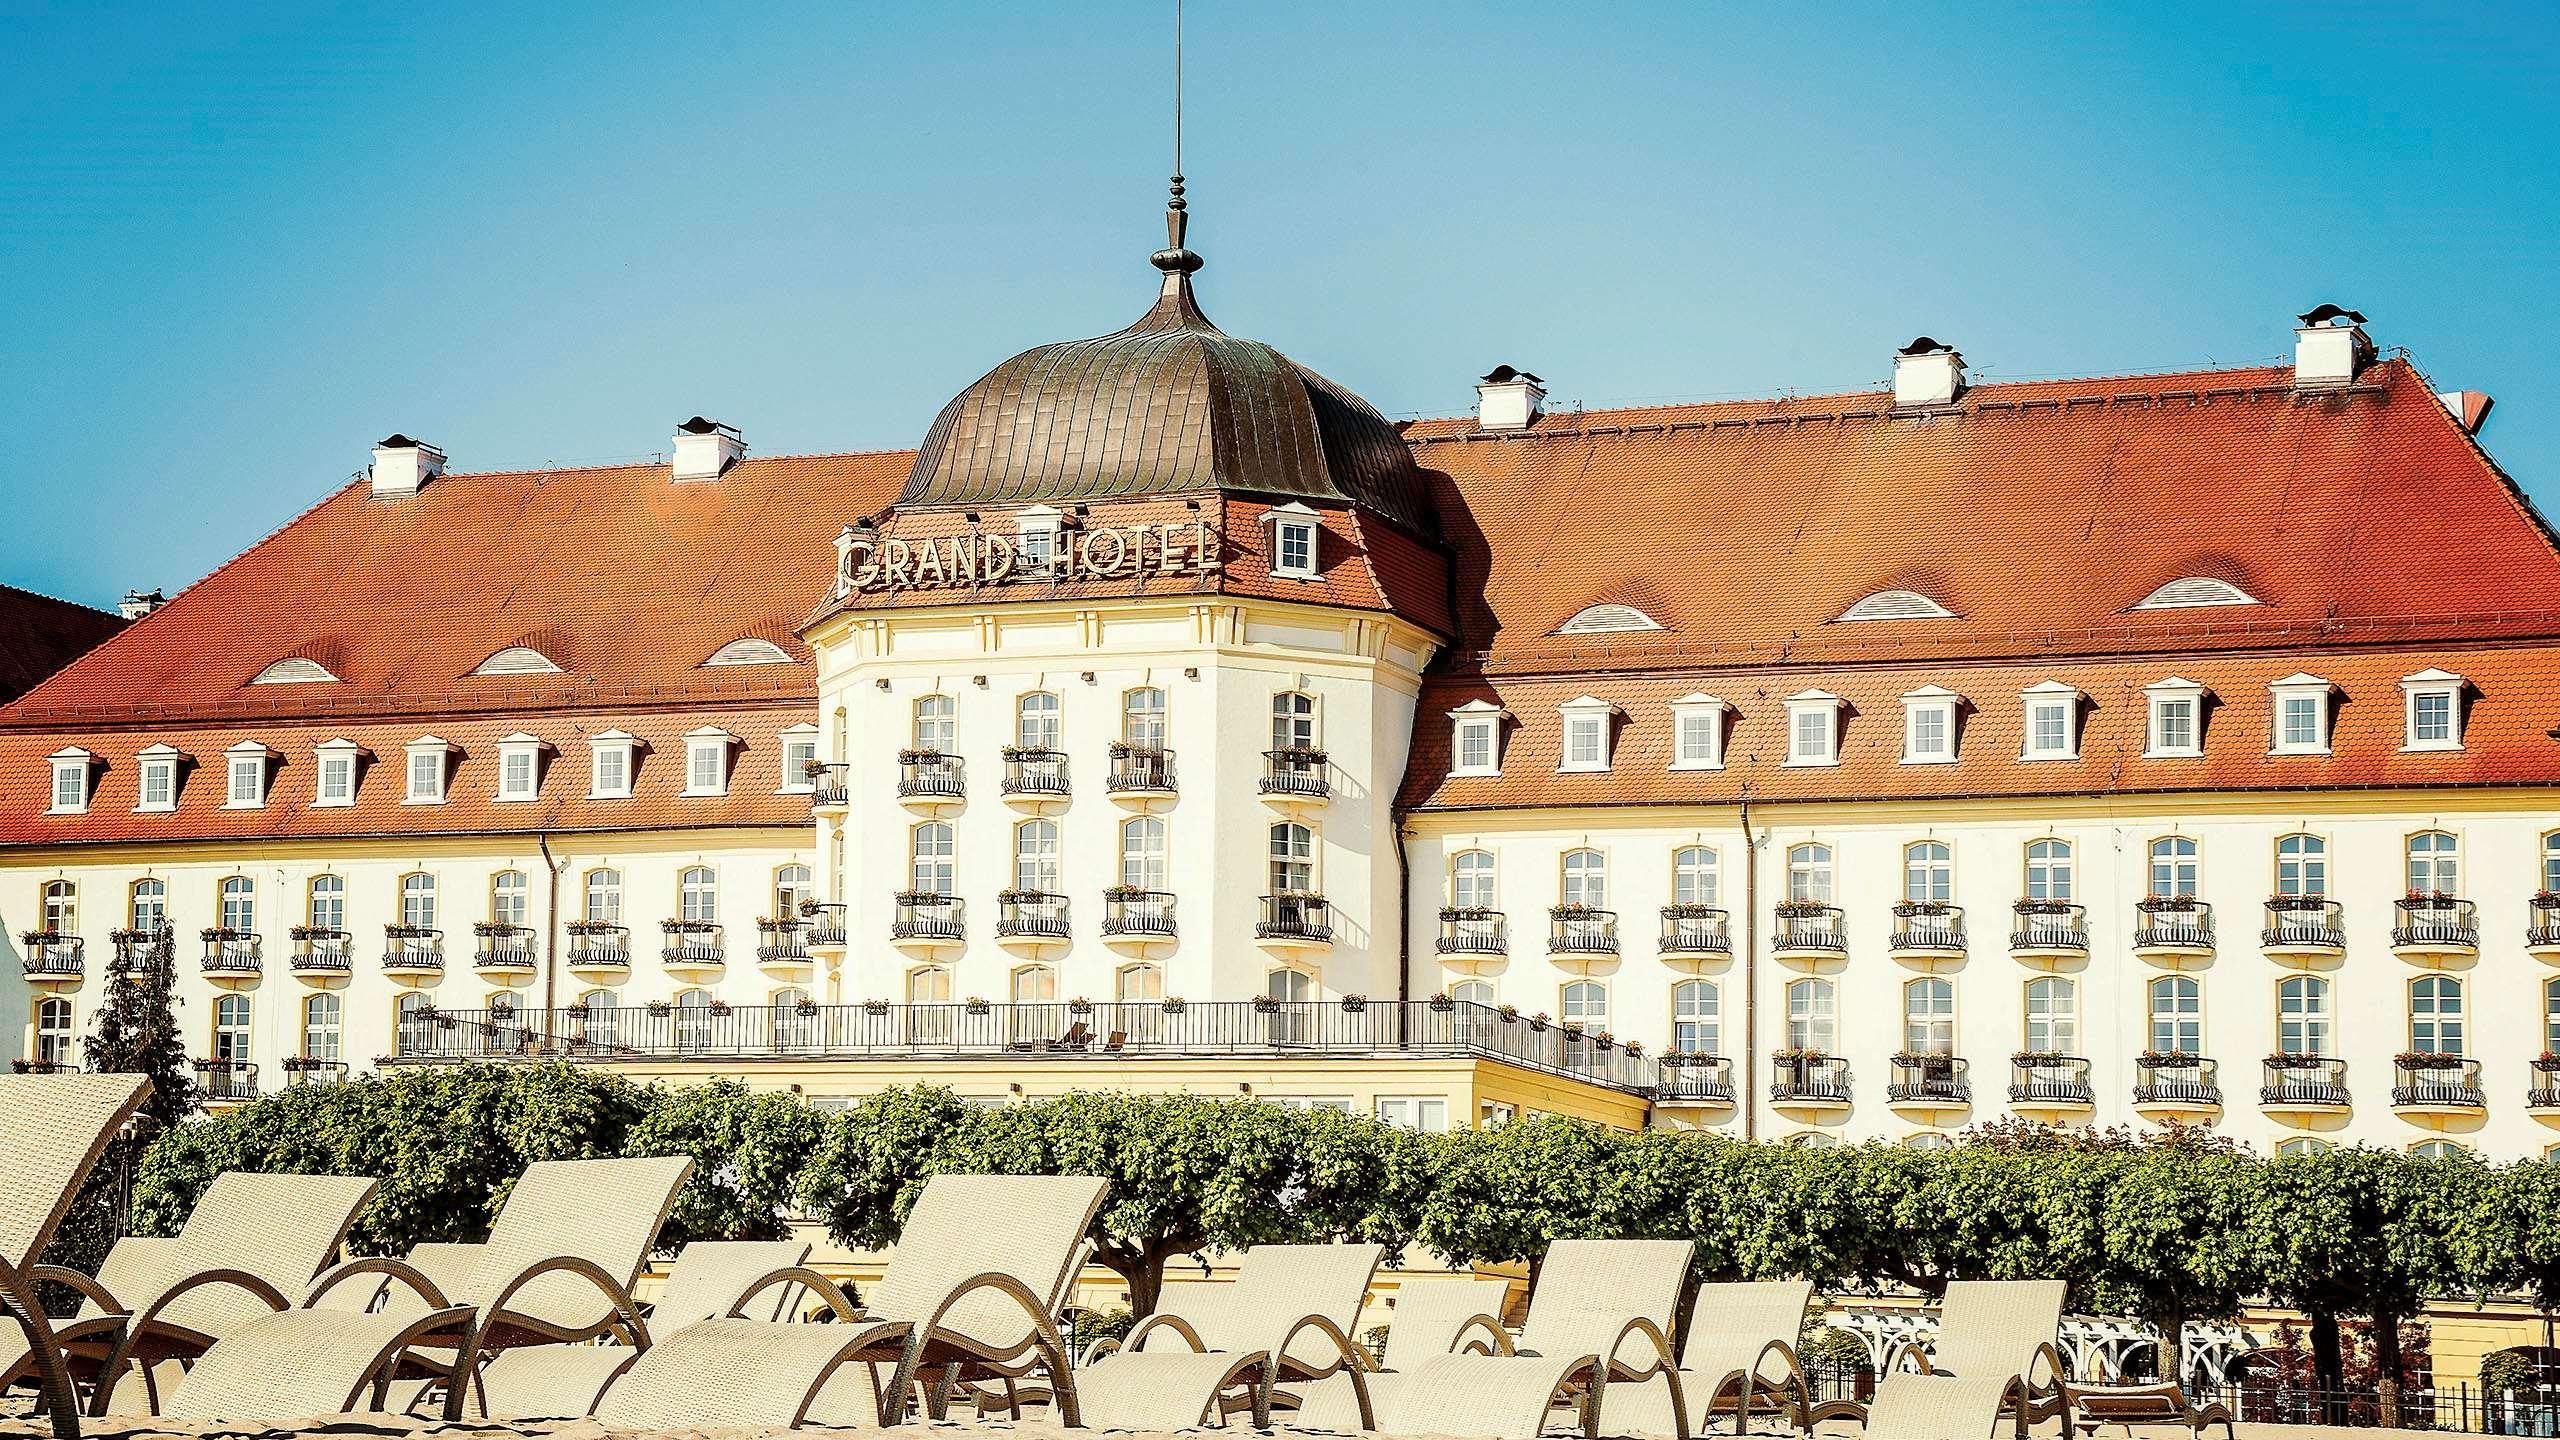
1032 915
693 942
925 915
1924 1078
227 1080
1035 771
2172 1078
2049 925
2173 922
230 952
1580 930
323 950
2304 920
1919 925
1696 1077
1294 917
2435 920
782 939
1127 911
826 923
598 945
502 947
2302 1080
2542 1091
1295 772
1822 1078
829 785
1473 930
412 947
2444 1081
1690 929
2050 1080
312 1070
143 949
929 774
1804 926
51 954
2542 922
1139 770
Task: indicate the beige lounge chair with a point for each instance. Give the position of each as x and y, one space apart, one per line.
1601 1315
557 1269
2163 1404
1994 1359
969 1294
1286 1319
53 1129
85 1339
1439 1316
1739 1355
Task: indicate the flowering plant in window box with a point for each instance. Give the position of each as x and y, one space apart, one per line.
2430 897
2298 902
1171 1005
920 757
2166 904
688 927
1079 1006
1572 910
1539 1021
1442 1002
661 1007
1690 910
408 932
1635 1048
1801 909
1908 908
976 1006
1796 1055
1265 1004
2427 1060
317 932
2295 1060
814 768
2547 1062
1355 1004
224 932
1124 893
1299 752
875 1007
1571 1028
719 1007
2041 1059
1452 914
496 930
1021 897
296 1064
2545 900
586 928
40 937
1030 753
577 1010
1507 1012
2042 907
1604 1039
2165 1060
1924 1059
804 1006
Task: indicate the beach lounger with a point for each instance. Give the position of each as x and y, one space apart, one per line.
2163 1404
1429 1318
1211 1350
1994 1359
132 1263
969 1295
1739 1355
53 1128
1601 1315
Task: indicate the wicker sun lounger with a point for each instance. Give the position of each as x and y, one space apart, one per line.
1601 1315
1295 1305
132 1264
2165 1403
54 1127
1739 1355
968 1296
1434 1317
1994 1358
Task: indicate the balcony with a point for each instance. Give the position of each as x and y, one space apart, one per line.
412 950
926 918
598 945
1140 915
2049 932
2437 1085
1809 934
1694 935
2304 927
1034 916
2542 926
1695 1080
144 950
826 925
230 952
1035 778
2303 1084
227 1082
930 781
782 941
693 944
2542 1091
502 949
1295 920
1929 1082
1473 933
829 788
1579 930
1139 774
1927 933
1294 776
43 1067
2043 1082
2431 929
2172 930
53 957
311 1070
2172 1083
322 950
1809 1082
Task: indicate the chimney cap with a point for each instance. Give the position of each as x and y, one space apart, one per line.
1505 374
700 426
397 441
2330 315
1923 345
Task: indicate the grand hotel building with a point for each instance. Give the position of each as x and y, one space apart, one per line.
2131 749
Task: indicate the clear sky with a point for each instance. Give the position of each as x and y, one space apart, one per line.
239 244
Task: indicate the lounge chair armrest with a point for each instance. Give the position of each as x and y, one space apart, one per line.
1044 1338
1784 1351
1354 1355
1494 1339
1664 1359
257 1287
2050 1358
387 1266
1097 1350
808 1279
624 1307
88 1286
1164 1320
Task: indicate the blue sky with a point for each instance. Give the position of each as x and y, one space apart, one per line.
239 244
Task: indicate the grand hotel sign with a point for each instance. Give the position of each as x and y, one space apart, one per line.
1036 553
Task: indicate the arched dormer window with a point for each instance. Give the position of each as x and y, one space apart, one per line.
295 670
1608 619
518 660
749 651
2193 592
1897 605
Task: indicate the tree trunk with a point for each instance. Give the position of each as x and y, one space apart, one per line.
2386 1364
2328 1366
1146 1286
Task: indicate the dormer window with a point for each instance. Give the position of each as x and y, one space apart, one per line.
2195 592
749 651
2052 722
2175 729
336 762
1586 733
1607 619
427 757
2301 718
1475 746
1813 728
1897 605
610 761
1929 725
1293 540
158 789
70 781
520 767
2434 710
1036 533
518 660
706 761
799 755
246 765
295 670
1697 733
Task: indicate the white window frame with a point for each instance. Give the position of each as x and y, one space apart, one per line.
340 755
1813 702
1293 521
713 741
70 764
2300 687
249 758
1935 701
1699 716
799 752
1589 716
2431 684
1481 719
621 744
1428 1114
2040 699
527 748
162 761
421 748
2158 696
1046 524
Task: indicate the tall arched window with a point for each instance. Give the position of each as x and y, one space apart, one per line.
1142 718
1035 856
1289 986
937 724
1143 859
328 902
1928 1140
1035 985
1928 871
1929 1017
1813 1016
149 907
2434 865
2053 1015
2437 1150
53 1030
1809 873
239 904
2435 1015
322 1022
2551 1016
2303 1145
509 898
2302 865
1293 721
1473 992
2551 862
2049 868
2177 1015
604 896
231 1028
1586 879
2303 1025
1693 875
413 1021
604 1022
791 887
693 1020
1587 1002
1471 879
1138 983
1697 1020
791 1029
929 846
1037 721
698 892
929 985
2173 866
61 907
418 900
1293 859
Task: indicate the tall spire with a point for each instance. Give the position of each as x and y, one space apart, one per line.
1177 262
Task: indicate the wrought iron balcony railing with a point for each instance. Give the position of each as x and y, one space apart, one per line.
224 1080
322 950
312 1070
2050 1080
2438 1080
1926 926
826 923
598 945
1035 771
925 915
230 952
53 955
693 942
1294 917
2173 922
1139 770
1924 1078
2050 925
1695 930
1031 914
142 949
2304 920
930 774
1137 912
2435 921
412 947
781 939
828 785
1804 926
1473 930
1295 772
2170 1078
1820 1078
502 947
1696 1077
1580 930
2302 1080
2542 921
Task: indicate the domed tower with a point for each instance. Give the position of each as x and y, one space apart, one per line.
1122 684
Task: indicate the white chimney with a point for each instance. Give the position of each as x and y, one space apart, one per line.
1926 373
138 603
1509 399
401 465
705 449
2330 348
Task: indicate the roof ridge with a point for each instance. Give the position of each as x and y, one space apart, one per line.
660 463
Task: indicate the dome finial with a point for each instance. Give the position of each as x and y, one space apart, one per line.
1174 260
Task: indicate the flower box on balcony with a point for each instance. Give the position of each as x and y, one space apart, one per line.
2430 897
1265 1005
1794 1056
2165 1060
1908 908
2427 1060
577 1010
661 1008
2166 904
1451 914
1125 893
223 932
1690 910
1801 909
1355 1004
875 1007
2041 1060
805 1006
976 1006
2298 902
2042 907
587 928
719 1007
920 757
408 932
2283 1058
1442 1003
688 927
1171 1005
2546 1062
40 937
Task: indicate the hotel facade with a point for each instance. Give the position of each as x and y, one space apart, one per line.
2136 749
